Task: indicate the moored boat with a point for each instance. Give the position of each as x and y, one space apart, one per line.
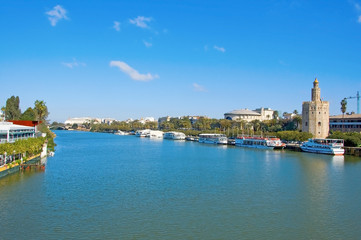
155 134
119 132
212 138
259 142
142 133
174 135
324 146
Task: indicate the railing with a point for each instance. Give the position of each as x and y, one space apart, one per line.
12 140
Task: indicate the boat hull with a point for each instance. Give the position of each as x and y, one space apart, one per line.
255 146
336 152
212 141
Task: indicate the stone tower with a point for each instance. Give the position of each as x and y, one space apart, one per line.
315 114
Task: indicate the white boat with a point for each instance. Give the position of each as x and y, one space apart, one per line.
142 133
324 146
121 133
174 135
212 138
155 134
259 142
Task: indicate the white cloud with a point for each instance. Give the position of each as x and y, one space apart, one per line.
116 26
56 14
359 19
73 64
221 49
198 88
131 72
147 44
357 6
140 21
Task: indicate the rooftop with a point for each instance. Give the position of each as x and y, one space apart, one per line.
347 116
243 112
5 126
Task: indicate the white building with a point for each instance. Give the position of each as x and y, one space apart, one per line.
147 119
260 114
289 116
108 120
82 120
10 132
266 113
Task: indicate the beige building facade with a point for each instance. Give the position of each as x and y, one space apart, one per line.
260 114
350 122
315 114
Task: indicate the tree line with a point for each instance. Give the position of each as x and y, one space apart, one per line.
288 129
12 110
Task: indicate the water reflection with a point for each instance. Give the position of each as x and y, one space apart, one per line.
338 161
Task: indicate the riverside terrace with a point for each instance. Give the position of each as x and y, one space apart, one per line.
10 132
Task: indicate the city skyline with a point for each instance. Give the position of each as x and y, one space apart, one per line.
136 59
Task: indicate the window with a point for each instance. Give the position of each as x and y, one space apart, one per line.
319 124
306 124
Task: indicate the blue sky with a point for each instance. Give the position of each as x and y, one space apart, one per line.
132 59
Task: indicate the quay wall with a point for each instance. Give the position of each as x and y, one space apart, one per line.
355 151
16 168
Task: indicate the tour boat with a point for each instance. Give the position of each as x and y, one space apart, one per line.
174 135
324 145
142 133
260 142
212 138
155 134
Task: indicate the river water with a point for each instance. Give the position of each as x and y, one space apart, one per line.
103 186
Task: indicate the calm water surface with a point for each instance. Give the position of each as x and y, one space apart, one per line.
103 186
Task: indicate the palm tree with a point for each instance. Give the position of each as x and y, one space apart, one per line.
343 110
41 110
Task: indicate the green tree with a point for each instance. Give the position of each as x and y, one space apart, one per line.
74 126
41 110
185 124
298 121
225 123
352 139
202 124
28 115
136 125
151 125
12 109
276 115
256 125
167 125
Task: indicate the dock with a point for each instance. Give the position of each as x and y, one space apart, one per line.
293 147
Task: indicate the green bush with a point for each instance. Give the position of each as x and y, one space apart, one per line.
352 139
